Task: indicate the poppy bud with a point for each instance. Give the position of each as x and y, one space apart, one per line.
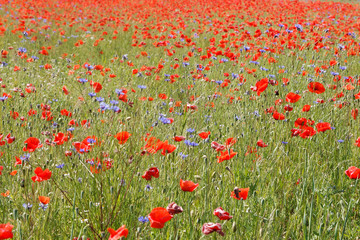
22 183
15 213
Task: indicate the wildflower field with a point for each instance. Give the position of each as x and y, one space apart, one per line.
220 119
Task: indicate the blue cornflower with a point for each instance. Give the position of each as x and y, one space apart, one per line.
192 144
219 82
25 157
3 98
22 49
119 91
91 141
91 94
61 166
99 99
299 27
141 86
27 206
190 130
183 156
83 80
164 120
104 106
143 219
43 206
115 109
148 187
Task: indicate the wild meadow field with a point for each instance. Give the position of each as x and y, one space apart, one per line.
219 119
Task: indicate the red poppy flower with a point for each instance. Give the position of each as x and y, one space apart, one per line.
353 172
14 115
292 97
230 142
6 231
306 108
179 138
301 122
357 142
296 132
208 228
44 200
354 113
31 144
158 217
188 186
226 155
162 96
173 208
221 214
47 115
65 112
73 122
65 90
316 87
81 147
41 175
121 232
278 116
60 138
261 86
9 138
167 148
217 146
322 127
307 132
152 172
261 143
17 161
2 143
122 137
357 96
288 108
97 87
240 193
204 135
